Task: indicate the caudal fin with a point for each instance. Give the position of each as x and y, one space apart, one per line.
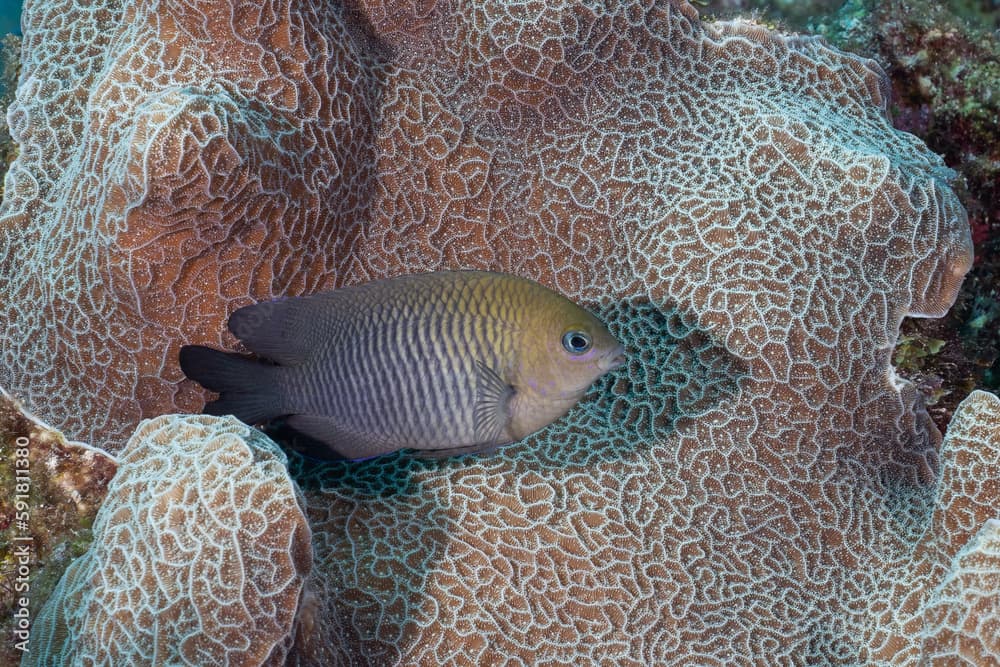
247 388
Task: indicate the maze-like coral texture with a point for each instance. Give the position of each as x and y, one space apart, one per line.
176 158
950 588
734 203
199 555
963 618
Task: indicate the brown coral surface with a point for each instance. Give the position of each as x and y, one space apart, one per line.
943 59
199 556
951 614
961 618
735 205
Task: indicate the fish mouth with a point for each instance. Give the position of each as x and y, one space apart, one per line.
612 359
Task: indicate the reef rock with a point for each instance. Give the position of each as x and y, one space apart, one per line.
199 556
52 491
734 203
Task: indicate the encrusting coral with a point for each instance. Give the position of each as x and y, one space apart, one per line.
199 555
734 204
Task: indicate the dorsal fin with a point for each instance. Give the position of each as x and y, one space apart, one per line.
285 331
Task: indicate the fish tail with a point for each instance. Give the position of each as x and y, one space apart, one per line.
247 388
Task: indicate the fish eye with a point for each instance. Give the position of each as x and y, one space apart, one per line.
576 342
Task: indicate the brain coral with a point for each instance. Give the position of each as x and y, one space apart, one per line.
950 611
733 202
539 559
199 555
174 160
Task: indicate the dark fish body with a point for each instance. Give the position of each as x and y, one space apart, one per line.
445 362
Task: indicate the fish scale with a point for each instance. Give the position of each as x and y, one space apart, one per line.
444 363
372 380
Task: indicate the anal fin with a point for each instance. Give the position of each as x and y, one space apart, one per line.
349 445
477 448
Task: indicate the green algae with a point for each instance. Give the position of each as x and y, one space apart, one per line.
911 350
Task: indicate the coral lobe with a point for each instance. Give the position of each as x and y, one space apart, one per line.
750 488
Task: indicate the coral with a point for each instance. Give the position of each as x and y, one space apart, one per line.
945 66
734 203
946 73
944 62
199 555
742 211
951 614
52 489
962 620
174 163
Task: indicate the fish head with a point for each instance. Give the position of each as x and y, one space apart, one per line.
563 351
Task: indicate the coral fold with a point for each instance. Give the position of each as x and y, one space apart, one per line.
734 203
199 556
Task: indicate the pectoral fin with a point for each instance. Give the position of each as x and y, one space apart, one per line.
491 415
492 412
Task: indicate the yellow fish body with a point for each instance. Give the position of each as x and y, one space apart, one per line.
447 363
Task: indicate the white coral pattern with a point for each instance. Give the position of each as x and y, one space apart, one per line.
199 556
